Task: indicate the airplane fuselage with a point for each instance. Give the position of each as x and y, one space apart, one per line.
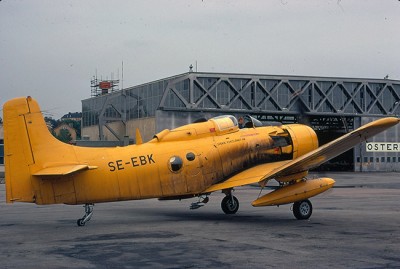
177 163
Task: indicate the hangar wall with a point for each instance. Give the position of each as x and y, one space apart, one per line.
332 106
147 127
387 159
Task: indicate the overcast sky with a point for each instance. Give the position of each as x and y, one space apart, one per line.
51 49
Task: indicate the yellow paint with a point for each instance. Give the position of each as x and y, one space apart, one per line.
292 177
295 192
246 177
139 139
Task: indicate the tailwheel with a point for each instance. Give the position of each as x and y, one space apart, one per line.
87 216
230 204
80 222
302 209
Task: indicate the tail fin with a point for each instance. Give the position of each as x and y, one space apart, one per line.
29 148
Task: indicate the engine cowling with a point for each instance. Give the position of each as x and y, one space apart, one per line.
304 139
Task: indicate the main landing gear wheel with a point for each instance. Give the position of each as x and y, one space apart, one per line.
230 204
87 216
302 209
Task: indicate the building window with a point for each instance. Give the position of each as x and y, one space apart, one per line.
382 159
394 159
371 159
358 159
377 160
388 159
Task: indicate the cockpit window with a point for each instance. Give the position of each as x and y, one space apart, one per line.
250 122
225 122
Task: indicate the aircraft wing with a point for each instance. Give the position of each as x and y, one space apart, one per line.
331 150
246 177
282 171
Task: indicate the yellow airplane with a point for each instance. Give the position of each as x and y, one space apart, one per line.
190 161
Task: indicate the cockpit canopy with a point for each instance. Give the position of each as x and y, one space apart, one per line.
228 121
225 122
219 125
250 122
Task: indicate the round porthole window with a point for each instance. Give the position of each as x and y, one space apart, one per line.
190 156
175 163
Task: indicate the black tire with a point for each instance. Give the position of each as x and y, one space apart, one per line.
230 204
302 210
80 222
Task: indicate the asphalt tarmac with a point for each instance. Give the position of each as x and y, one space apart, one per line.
355 225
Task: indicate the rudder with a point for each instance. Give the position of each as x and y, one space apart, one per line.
17 152
27 143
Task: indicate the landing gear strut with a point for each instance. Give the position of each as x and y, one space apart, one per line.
87 216
302 209
202 201
230 204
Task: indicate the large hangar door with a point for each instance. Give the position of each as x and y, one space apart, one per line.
329 128
343 162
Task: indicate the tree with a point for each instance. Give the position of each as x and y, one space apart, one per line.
50 122
76 125
64 136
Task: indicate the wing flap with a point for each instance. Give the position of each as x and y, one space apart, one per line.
63 170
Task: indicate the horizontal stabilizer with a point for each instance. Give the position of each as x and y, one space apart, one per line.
63 170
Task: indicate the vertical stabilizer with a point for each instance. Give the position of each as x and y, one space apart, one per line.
17 151
28 145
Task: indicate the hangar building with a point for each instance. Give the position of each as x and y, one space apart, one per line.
332 106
